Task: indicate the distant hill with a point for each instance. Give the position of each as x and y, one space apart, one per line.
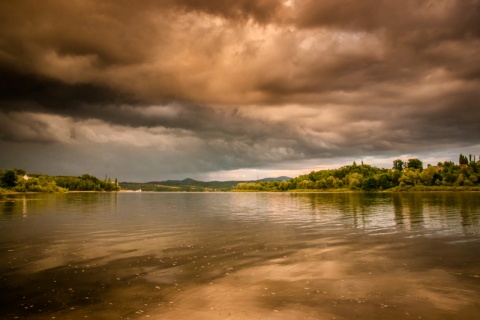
190 185
276 179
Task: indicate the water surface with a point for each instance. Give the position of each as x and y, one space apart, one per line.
240 256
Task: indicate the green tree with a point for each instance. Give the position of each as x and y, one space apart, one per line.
330 182
20 172
9 179
462 159
415 164
460 180
305 184
409 178
398 164
355 180
284 185
427 176
321 184
369 184
384 182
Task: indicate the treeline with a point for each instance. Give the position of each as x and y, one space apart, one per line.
403 176
187 185
17 180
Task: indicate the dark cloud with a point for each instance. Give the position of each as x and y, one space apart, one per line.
42 93
221 85
170 50
415 19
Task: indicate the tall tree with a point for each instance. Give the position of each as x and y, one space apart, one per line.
462 159
9 179
398 164
415 164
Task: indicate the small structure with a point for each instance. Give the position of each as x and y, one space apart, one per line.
25 177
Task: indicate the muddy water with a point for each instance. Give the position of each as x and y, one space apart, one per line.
240 256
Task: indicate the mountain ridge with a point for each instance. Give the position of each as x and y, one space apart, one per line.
189 184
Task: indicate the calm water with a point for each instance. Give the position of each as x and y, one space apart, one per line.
240 256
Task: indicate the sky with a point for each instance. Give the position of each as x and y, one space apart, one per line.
235 90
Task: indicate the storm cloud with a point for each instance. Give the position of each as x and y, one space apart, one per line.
164 89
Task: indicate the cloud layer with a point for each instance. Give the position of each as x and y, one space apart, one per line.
205 86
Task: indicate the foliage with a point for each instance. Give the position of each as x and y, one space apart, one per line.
38 183
398 164
405 175
9 179
462 159
86 183
17 180
415 164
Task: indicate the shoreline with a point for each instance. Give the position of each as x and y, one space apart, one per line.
5 195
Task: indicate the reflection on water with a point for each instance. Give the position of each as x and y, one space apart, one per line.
239 256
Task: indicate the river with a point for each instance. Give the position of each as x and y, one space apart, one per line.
240 256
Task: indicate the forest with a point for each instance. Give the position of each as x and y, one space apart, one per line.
17 180
407 175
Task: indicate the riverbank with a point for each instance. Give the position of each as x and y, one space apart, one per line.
8 195
5 195
391 190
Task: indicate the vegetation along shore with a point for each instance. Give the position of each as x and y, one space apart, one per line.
409 175
17 180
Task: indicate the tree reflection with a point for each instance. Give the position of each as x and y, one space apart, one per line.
398 211
414 203
7 208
